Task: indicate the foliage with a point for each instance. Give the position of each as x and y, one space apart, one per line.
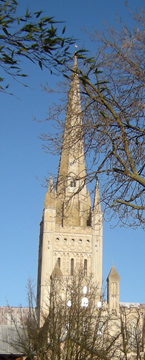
30 36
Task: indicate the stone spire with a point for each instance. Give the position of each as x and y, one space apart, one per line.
113 274
56 273
97 204
72 163
49 197
71 173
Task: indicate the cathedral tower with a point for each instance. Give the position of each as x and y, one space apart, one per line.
70 231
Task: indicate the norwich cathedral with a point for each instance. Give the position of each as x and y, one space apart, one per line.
71 241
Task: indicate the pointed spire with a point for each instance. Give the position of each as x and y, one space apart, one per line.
113 274
97 205
72 161
49 197
72 172
56 273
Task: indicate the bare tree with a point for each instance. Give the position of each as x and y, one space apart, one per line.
77 326
74 326
132 331
113 128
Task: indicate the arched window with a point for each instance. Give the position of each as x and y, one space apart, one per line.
59 261
85 267
72 267
114 294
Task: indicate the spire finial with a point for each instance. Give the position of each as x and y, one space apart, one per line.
75 58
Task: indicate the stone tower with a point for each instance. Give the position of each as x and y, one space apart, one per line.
113 291
70 231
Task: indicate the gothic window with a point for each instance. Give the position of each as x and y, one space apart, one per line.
57 238
114 294
73 239
85 267
72 267
88 240
80 240
59 261
65 239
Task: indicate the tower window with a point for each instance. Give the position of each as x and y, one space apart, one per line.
59 262
88 240
80 240
72 267
65 239
73 239
73 183
85 267
57 238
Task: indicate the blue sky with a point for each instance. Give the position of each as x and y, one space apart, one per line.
23 162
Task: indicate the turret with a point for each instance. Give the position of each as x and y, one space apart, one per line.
113 291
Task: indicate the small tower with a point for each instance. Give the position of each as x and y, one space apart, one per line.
113 291
70 232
